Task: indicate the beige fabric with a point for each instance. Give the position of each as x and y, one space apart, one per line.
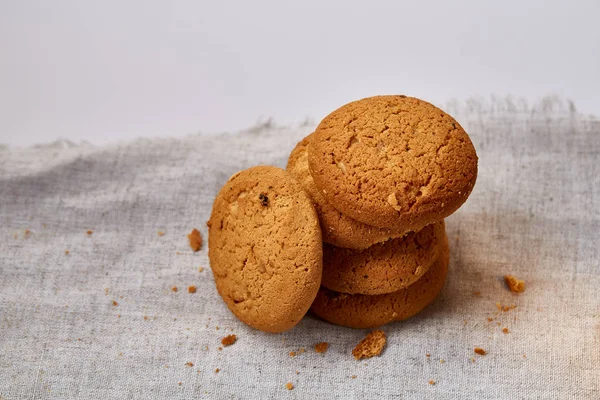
534 213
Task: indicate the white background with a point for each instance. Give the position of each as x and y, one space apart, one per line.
103 71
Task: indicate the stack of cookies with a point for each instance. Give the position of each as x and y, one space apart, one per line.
383 173
374 182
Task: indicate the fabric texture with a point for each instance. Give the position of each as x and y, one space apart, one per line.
102 322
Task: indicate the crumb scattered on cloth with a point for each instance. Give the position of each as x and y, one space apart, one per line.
321 347
514 284
229 340
480 351
372 345
195 240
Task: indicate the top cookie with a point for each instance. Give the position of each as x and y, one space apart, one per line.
337 229
393 162
265 248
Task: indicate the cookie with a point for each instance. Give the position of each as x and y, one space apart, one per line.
265 248
338 229
393 162
363 311
384 267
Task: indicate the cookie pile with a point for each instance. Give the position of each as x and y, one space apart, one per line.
374 182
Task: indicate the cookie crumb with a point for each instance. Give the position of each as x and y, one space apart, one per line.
505 330
89 232
321 347
490 319
289 386
297 372
431 382
477 293
465 321
292 354
217 327
302 350
217 371
161 233
370 346
67 252
442 361
264 199
114 303
118 315
26 233
353 377
195 239
505 308
480 351
229 340
179 383
145 318
200 269
515 285
427 355
191 289
189 364
472 359
174 289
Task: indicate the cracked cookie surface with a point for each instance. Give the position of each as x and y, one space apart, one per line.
337 228
384 267
364 311
265 248
393 162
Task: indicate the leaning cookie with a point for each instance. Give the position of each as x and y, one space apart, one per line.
363 311
337 228
393 162
265 248
384 267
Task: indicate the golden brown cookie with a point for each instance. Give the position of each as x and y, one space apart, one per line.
338 229
384 267
393 162
265 248
363 311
